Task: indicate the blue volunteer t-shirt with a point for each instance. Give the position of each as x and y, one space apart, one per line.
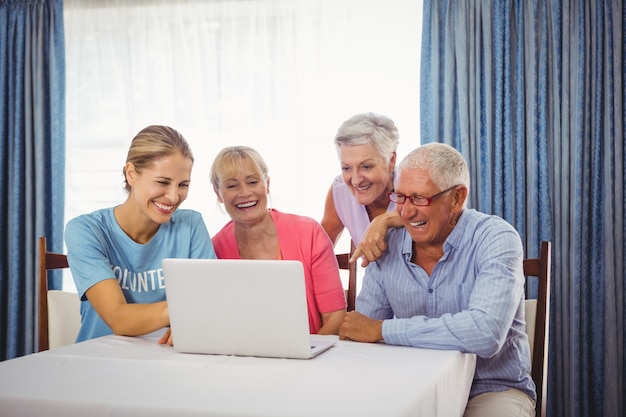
98 249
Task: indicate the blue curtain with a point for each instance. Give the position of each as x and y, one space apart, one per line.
532 93
32 159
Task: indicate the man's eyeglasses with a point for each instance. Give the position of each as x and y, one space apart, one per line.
417 200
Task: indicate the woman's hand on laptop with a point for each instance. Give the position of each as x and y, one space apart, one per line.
167 338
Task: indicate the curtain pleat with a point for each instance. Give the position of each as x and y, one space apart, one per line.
537 109
32 160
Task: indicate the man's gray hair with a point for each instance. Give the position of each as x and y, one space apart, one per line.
445 165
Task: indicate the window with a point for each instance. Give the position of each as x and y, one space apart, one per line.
280 76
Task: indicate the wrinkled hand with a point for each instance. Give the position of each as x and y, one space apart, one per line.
361 328
373 244
167 338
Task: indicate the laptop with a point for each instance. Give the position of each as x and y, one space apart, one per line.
240 307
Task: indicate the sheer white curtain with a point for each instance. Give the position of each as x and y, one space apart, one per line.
277 75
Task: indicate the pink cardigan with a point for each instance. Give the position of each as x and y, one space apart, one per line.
300 238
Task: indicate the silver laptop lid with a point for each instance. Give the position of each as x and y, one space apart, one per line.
238 307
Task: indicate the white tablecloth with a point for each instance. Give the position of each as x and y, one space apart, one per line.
134 376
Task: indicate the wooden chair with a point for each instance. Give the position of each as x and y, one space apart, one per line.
58 311
350 292
538 322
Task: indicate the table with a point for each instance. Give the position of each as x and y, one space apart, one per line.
135 376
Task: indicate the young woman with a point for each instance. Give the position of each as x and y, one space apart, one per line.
240 179
115 253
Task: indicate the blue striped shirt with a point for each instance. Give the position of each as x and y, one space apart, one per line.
472 302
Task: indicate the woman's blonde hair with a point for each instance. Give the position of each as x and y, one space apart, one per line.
154 142
225 163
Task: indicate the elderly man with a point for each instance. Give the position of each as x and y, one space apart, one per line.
451 278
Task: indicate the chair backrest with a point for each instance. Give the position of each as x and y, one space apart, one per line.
343 261
538 322
58 312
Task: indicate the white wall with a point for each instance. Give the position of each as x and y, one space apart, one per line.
281 81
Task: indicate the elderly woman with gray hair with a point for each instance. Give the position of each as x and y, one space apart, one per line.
366 145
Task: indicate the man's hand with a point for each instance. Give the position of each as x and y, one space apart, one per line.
167 338
361 328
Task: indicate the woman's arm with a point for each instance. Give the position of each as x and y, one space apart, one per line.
330 220
373 244
125 319
331 322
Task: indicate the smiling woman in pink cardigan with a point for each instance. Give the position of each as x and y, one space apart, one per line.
241 181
